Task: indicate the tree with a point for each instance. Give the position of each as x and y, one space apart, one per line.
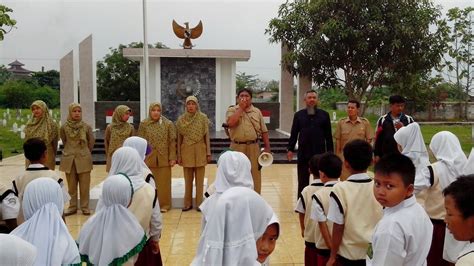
118 78
5 21
16 94
4 74
356 45
243 80
49 78
459 62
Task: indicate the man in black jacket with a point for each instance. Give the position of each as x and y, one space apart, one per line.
387 125
312 128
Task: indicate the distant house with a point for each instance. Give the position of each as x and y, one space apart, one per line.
17 70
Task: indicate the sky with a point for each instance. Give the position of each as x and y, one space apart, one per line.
47 30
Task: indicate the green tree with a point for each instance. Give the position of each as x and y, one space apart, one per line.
16 94
243 80
118 78
6 22
459 62
4 74
49 78
47 94
357 44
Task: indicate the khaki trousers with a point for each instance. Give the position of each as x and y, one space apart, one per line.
191 173
252 151
84 180
163 185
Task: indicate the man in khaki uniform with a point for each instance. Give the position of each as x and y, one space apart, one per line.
350 128
246 126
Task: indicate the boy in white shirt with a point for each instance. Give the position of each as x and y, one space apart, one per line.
309 230
403 235
330 167
458 199
353 209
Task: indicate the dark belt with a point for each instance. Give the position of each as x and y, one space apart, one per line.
245 142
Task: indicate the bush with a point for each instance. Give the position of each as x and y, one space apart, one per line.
48 95
328 97
21 93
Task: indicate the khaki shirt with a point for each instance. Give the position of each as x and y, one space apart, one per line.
347 130
250 127
76 153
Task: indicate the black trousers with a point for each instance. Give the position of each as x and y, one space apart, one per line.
303 175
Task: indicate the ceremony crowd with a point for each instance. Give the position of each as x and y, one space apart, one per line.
412 211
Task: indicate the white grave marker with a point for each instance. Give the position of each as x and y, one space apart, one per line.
22 135
8 110
15 127
334 116
4 122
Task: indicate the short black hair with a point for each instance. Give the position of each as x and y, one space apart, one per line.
357 103
330 164
310 91
314 164
396 99
396 163
34 148
358 153
248 90
462 191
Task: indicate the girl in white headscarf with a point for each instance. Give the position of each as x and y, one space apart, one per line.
113 235
16 251
233 170
412 144
239 219
141 145
469 168
44 228
450 164
145 206
267 242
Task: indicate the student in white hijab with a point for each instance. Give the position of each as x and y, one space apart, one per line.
267 242
239 219
141 146
233 170
412 144
145 206
113 235
469 168
16 251
44 228
450 164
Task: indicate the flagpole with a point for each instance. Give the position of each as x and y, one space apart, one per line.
144 105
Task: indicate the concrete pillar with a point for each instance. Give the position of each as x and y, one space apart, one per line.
87 81
68 89
304 85
286 95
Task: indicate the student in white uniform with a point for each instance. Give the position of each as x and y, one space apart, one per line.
9 206
353 209
16 251
240 218
43 204
469 168
267 242
450 164
458 199
141 146
330 168
403 236
309 229
113 235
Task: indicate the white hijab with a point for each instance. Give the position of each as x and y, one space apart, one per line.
16 251
233 171
240 218
44 227
447 150
140 145
411 140
126 160
469 168
113 234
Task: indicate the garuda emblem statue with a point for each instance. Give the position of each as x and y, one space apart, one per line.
187 33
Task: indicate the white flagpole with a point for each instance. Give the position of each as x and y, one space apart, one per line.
144 105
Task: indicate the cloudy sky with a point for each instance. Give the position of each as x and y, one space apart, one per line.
48 30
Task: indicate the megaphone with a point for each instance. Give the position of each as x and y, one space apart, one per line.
265 159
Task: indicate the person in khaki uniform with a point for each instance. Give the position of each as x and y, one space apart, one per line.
41 125
350 128
76 160
194 149
161 136
117 132
246 126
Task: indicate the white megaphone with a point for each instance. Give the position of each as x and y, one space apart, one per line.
265 159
